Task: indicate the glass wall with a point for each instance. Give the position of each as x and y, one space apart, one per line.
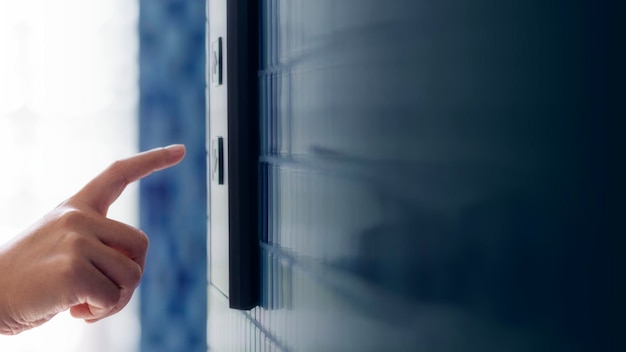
432 179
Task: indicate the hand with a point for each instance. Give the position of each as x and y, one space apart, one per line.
74 257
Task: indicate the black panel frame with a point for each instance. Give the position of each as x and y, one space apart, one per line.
243 145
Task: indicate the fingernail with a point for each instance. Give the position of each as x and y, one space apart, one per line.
175 149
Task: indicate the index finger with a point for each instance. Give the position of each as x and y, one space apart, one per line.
105 188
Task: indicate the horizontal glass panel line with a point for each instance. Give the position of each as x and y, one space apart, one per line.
366 298
322 157
355 170
344 165
351 41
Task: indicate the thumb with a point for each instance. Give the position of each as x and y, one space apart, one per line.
105 188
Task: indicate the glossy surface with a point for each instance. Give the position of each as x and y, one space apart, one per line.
217 127
432 179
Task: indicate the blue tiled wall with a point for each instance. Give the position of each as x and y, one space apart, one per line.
432 178
173 202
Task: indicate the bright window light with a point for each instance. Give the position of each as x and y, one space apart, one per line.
68 106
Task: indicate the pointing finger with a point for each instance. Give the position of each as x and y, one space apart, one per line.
105 188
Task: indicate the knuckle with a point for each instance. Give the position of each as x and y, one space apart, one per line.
117 166
143 242
111 298
77 277
75 243
71 217
135 275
